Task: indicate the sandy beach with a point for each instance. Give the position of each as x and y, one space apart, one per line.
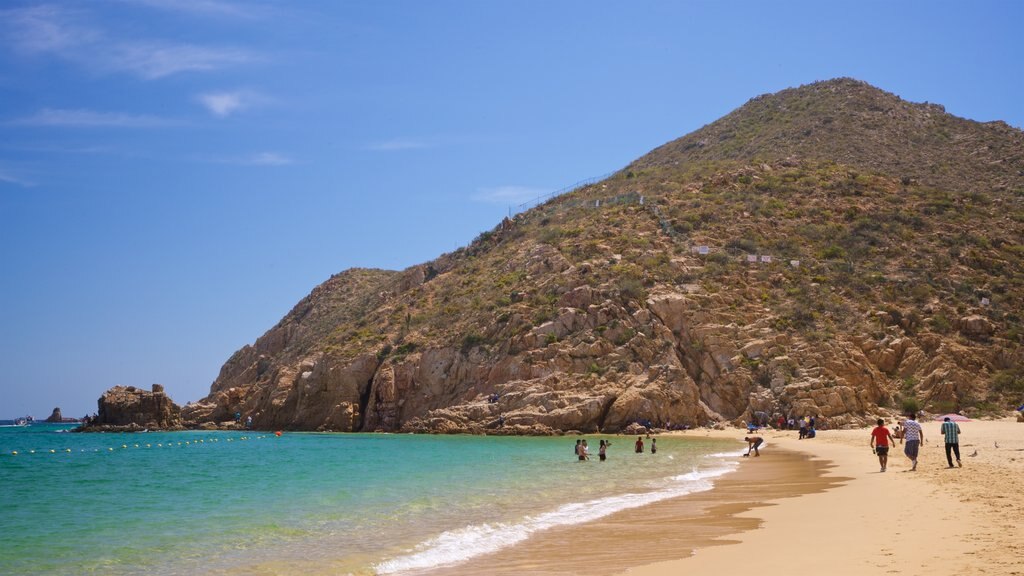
932 520
811 504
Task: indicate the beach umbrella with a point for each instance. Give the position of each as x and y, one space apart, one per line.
954 417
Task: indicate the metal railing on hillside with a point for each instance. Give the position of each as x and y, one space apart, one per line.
513 210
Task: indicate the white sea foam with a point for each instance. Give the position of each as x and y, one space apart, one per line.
457 546
723 455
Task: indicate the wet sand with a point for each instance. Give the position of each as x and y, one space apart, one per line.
668 529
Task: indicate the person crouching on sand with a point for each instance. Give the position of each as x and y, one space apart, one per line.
881 439
752 443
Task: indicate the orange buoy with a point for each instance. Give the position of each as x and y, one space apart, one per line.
278 433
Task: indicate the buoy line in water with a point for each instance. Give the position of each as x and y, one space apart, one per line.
132 446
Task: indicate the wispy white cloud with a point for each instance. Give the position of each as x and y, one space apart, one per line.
508 194
91 119
153 60
269 159
203 7
7 177
257 159
224 104
56 149
399 144
64 33
46 29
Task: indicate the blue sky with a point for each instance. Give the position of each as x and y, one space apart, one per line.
176 174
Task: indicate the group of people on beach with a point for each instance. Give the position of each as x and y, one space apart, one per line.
583 450
910 430
807 425
639 446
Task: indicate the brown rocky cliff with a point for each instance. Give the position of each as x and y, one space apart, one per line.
594 310
130 408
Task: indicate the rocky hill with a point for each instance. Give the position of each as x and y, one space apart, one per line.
828 250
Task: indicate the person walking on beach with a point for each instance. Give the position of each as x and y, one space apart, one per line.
639 444
914 436
752 443
602 450
880 439
951 432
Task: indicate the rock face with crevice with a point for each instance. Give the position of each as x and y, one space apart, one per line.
772 261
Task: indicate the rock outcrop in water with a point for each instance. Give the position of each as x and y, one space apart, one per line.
829 250
127 408
55 416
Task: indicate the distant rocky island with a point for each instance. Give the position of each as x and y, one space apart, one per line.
828 250
57 417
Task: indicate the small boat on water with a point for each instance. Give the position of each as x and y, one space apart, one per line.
23 421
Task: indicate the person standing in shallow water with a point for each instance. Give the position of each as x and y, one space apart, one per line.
602 450
914 436
654 445
881 439
639 444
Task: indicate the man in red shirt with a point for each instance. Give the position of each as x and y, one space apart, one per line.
880 442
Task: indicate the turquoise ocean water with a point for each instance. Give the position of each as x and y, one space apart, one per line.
303 503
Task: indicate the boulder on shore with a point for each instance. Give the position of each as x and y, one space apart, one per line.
127 408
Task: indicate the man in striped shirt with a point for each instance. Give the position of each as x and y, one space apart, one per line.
951 431
914 436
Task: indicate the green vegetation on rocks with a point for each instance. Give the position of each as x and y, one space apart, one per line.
855 242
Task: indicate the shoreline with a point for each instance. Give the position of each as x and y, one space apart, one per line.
659 531
805 503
